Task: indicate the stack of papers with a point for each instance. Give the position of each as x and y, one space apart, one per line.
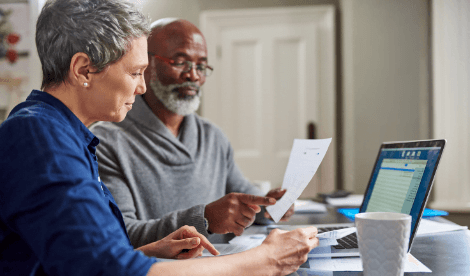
429 227
354 264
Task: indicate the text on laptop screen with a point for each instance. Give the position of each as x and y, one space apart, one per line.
400 179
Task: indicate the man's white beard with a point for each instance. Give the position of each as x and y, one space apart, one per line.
171 99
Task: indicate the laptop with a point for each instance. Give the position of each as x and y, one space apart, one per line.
400 182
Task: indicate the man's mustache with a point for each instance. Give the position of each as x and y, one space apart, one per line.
174 87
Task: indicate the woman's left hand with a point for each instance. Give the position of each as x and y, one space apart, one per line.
184 243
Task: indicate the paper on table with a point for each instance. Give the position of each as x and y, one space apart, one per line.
350 200
306 272
305 158
309 206
355 264
428 227
227 249
249 240
326 243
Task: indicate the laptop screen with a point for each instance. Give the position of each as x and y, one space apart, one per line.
402 178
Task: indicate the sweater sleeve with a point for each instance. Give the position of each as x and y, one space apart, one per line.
236 182
140 231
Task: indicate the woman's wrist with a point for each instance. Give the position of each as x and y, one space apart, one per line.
263 260
150 250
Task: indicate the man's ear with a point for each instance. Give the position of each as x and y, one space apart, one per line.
80 67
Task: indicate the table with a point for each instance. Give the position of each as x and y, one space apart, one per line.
444 253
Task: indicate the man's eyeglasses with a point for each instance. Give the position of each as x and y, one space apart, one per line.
186 66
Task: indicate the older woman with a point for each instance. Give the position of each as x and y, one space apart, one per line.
56 216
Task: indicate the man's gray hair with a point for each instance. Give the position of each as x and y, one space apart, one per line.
102 29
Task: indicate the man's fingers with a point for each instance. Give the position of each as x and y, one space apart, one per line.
267 215
276 193
256 200
255 208
288 214
238 231
245 222
249 210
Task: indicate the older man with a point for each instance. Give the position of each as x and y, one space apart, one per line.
167 167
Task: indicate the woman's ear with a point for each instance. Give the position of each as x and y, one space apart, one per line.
80 66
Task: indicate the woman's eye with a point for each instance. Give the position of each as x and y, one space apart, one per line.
137 74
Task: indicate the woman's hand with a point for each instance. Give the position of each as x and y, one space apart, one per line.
288 250
184 243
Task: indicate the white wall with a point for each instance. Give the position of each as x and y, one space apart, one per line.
385 80
451 102
157 9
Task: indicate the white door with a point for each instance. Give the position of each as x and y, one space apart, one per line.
274 74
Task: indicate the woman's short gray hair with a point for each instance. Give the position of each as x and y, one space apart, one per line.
102 29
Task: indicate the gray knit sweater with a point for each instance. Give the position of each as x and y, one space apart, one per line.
161 182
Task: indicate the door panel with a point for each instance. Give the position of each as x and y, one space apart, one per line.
267 87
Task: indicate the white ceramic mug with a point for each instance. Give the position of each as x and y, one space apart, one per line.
383 242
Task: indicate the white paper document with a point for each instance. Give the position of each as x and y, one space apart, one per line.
227 249
237 244
305 158
327 243
246 242
350 201
354 264
337 234
330 238
249 241
429 227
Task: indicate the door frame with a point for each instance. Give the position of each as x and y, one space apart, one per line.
323 17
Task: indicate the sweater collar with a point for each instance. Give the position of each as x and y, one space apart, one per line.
188 135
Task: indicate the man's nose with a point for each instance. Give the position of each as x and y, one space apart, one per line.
192 74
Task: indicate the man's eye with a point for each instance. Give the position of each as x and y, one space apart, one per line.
137 74
201 67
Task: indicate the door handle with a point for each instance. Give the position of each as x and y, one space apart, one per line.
311 130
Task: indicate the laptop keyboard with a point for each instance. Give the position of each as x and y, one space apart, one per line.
347 242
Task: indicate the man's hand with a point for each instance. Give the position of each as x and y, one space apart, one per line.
277 194
184 243
234 212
